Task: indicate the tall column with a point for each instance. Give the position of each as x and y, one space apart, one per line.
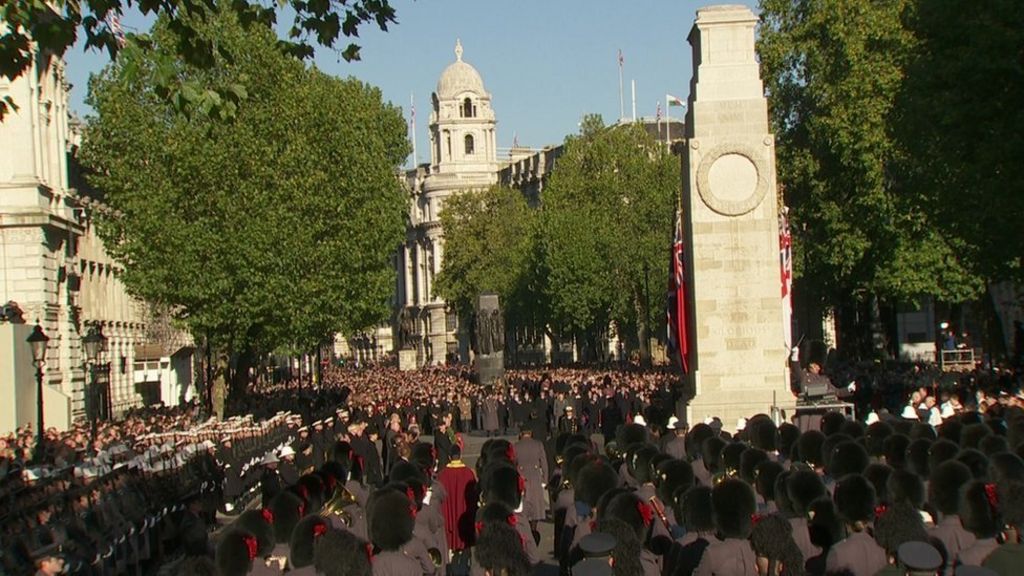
738 352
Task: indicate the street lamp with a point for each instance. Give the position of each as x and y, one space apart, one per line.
37 340
94 343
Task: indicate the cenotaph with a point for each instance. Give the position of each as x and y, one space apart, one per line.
490 340
731 234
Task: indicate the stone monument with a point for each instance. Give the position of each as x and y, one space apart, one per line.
407 341
738 361
490 340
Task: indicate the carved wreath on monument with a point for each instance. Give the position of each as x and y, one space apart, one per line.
732 178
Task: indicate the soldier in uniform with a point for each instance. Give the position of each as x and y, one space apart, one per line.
341 553
858 552
391 527
733 506
676 444
270 480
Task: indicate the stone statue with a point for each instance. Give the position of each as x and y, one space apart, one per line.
497 330
406 329
483 333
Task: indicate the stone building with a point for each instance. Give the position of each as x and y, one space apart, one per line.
53 267
463 156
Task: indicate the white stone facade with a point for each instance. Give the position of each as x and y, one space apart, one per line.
51 263
463 157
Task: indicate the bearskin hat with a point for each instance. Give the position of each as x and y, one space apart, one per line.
847 458
1011 498
764 478
392 519
288 508
824 526
342 453
334 470
829 445
787 437
852 428
972 434
951 429
640 463
594 479
260 524
990 445
855 499
803 487
496 512
695 438
919 457
878 474
944 486
772 538
654 463
976 461
673 475
235 552
341 553
731 456
832 423
574 465
875 436
762 433
312 491
809 448
1005 467
694 509
198 566
499 449
979 509
499 550
749 461
922 430
627 507
905 487
627 546
732 505
630 434
712 453
894 449
305 535
501 482
897 524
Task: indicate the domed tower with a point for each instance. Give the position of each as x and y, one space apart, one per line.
463 157
462 121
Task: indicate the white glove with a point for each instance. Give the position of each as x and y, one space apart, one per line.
794 354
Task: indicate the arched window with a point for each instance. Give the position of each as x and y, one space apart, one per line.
468 110
469 144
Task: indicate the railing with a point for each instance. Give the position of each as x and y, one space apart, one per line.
956 360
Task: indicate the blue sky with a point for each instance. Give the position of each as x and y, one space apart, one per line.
546 63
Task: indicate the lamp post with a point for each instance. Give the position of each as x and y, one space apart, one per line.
37 340
94 343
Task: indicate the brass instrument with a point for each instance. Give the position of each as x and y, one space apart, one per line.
435 556
660 511
341 498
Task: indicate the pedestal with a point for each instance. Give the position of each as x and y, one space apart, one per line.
490 368
407 360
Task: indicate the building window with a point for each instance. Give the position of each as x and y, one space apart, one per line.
469 144
468 110
452 321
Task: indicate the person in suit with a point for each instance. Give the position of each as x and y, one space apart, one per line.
443 442
532 460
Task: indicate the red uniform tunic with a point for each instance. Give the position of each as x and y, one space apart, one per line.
459 508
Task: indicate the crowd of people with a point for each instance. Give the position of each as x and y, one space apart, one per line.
339 478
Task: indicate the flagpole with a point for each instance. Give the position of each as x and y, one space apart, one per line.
633 83
415 159
668 124
622 105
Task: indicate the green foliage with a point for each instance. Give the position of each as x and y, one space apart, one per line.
489 244
273 229
606 228
54 26
834 70
963 125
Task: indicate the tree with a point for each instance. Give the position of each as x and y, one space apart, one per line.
489 247
29 26
275 228
606 229
961 121
834 70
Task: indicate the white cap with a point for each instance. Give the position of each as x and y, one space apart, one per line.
639 419
709 420
741 424
287 451
270 458
934 417
947 410
672 420
909 413
872 418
